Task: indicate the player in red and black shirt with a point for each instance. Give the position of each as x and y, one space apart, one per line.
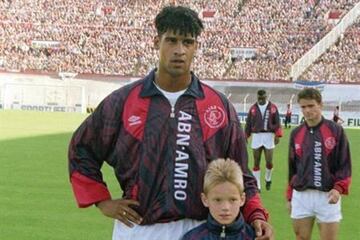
264 127
319 170
336 115
159 134
288 116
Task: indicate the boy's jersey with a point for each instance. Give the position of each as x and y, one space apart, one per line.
319 158
212 230
159 153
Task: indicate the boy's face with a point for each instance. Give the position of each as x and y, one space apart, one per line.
312 111
176 52
224 202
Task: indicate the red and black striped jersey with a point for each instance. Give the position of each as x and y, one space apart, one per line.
288 112
319 158
270 122
159 153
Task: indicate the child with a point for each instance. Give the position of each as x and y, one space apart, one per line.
223 193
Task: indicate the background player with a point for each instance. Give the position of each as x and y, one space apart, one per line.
288 116
319 170
264 127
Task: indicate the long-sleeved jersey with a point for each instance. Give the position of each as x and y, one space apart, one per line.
159 153
319 158
270 122
212 230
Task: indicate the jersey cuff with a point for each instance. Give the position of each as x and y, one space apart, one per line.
289 192
258 215
343 186
253 210
279 132
88 191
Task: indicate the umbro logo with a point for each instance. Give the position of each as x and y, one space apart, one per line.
134 120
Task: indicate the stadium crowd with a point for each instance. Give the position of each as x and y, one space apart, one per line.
114 37
342 61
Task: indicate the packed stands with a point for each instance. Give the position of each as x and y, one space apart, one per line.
342 62
114 37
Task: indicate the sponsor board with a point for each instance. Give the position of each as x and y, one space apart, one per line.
45 108
353 122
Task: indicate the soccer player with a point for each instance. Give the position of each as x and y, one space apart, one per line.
336 116
264 127
223 193
319 170
288 116
159 134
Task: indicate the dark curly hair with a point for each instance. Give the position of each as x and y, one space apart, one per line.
180 19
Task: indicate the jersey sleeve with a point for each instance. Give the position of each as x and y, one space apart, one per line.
277 123
237 150
291 167
248 124
343 165
89 148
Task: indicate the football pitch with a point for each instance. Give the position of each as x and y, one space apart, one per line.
37 203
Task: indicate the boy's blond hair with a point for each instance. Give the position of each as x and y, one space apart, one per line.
223 170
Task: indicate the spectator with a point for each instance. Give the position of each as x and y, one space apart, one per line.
94 35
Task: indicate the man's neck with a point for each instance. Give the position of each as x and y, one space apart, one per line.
314 122
170 83
262 105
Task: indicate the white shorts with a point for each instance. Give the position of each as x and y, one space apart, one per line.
314 203
159 231
265 139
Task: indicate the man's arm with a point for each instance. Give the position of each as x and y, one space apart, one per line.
277 123
343 165
237 150
248 125
291 167
89 147
253 211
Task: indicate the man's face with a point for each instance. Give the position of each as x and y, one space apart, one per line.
312 111
261 99
176 52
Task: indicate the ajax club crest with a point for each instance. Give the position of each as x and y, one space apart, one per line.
214 116
330 143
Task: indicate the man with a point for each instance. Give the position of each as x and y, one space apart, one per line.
336 116
319 170
263 125
288 116
159 134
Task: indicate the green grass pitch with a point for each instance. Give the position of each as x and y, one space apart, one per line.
37 203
